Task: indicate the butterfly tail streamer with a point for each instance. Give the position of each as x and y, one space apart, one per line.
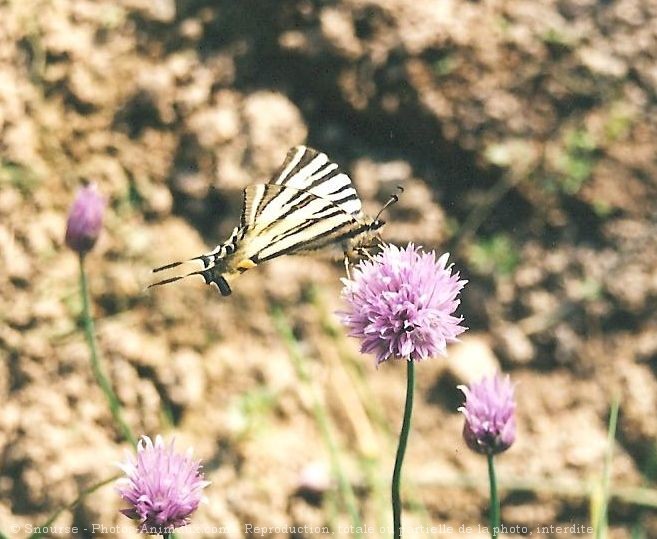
211 275
205 260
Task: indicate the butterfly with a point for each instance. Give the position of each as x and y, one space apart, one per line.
308 204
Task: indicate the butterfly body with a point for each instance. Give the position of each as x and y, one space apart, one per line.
309 204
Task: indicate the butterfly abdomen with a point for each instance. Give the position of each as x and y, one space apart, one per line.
217 267
216 279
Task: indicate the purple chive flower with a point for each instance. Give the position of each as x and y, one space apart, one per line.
401 304
489 410
85 219
163 487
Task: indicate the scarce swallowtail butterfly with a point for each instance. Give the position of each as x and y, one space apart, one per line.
308 204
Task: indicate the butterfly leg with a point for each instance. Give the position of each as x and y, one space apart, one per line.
346 266
364 252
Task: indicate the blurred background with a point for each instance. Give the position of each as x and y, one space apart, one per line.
525 135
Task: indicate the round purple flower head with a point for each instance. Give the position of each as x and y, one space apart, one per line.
85 219
163 487
401 304
489 410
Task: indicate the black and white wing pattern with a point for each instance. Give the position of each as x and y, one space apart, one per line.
308 204
308 170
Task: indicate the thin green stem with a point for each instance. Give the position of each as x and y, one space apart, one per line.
81 496
638 496
601 524
494 500
346 490
401 450
101 378
323 421
354 365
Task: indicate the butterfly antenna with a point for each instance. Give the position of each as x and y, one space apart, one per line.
394 198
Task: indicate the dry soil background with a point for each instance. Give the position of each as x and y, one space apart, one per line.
525 135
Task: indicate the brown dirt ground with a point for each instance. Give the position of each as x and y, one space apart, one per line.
525 135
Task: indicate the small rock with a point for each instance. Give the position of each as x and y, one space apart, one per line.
15 261
215 126
313 482
338 29
156 10
471 359
602 63
274 125
514 344
187 377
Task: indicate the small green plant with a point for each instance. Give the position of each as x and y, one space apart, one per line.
602 208
495 255
18 176
445 65
134 198
591 289
619 123
252 410
639 532
558 39
577 162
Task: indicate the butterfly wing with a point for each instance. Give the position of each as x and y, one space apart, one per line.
284 220
308 170
308 204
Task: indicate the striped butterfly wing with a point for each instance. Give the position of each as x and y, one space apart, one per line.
308 204
280 219
311 171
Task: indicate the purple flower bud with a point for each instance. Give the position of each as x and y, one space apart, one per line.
85 219
163 487
401 304
489 410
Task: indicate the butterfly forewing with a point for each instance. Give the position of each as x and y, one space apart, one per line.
312 171
292 221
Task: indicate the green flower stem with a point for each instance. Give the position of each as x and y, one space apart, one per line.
602 523
637 496
101 378
71 506
322 419
401 449
494 500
